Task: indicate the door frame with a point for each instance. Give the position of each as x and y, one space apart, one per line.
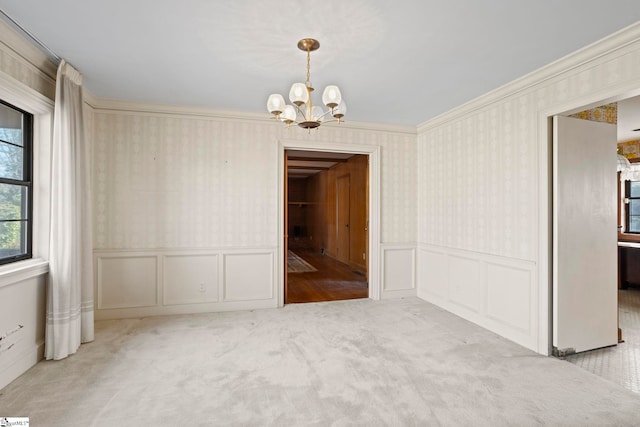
545 200
373 151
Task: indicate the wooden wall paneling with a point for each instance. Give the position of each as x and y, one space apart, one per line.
318 216
366 213
286 222
343 212
330 202
359 209
317 211
298 225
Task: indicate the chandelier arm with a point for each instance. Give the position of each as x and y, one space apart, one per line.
333 120
325 113
300 110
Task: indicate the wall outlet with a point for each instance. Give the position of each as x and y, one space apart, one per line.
202 288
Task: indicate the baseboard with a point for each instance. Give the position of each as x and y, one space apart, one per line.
403 293
23 362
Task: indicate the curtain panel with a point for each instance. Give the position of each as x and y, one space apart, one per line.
70 284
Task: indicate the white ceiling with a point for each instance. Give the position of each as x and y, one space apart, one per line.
629 119
399 62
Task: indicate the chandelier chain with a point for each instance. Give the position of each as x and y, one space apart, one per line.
308 68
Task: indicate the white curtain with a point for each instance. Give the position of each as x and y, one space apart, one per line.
70 286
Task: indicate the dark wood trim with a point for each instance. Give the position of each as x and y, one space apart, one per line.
286 226
317 159
626 237
311 168
620 225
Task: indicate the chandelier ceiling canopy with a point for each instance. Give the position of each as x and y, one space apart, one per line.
302 111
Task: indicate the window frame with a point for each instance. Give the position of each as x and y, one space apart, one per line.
26 182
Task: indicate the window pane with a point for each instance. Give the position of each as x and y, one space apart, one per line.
635 189
13 136
11 162
634 224
13 202
634 207
12 240
10 125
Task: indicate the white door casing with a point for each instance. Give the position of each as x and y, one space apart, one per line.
373 151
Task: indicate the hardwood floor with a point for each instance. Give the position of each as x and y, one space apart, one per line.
332 282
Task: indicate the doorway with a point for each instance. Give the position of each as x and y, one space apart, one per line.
611 317
326 222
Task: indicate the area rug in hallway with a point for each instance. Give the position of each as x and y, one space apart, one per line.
295 264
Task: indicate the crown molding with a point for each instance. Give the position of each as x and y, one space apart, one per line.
25 50
587 55
34 100
106 105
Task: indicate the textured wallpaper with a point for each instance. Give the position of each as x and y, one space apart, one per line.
180 182
477 180
478 174
25 72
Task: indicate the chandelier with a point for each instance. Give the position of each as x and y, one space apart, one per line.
303 112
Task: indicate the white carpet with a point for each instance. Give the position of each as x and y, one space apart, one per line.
356 362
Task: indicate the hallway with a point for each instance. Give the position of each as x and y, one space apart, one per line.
332 281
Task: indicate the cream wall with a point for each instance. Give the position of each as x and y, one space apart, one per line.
186 206
483 195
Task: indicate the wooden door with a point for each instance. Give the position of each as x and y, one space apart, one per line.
585 299
342 216
366 226
286 222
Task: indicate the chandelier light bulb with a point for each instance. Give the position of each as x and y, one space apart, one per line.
331 96
275 104
288 114
340 110
298 94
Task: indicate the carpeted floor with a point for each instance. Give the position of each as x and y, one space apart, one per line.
356 362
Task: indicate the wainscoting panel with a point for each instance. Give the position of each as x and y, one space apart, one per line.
492 291
508 290
464 282
190 279
248 276
433 273
398 271
174 281
127 281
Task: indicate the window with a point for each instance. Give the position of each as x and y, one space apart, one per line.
632 201
15 183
